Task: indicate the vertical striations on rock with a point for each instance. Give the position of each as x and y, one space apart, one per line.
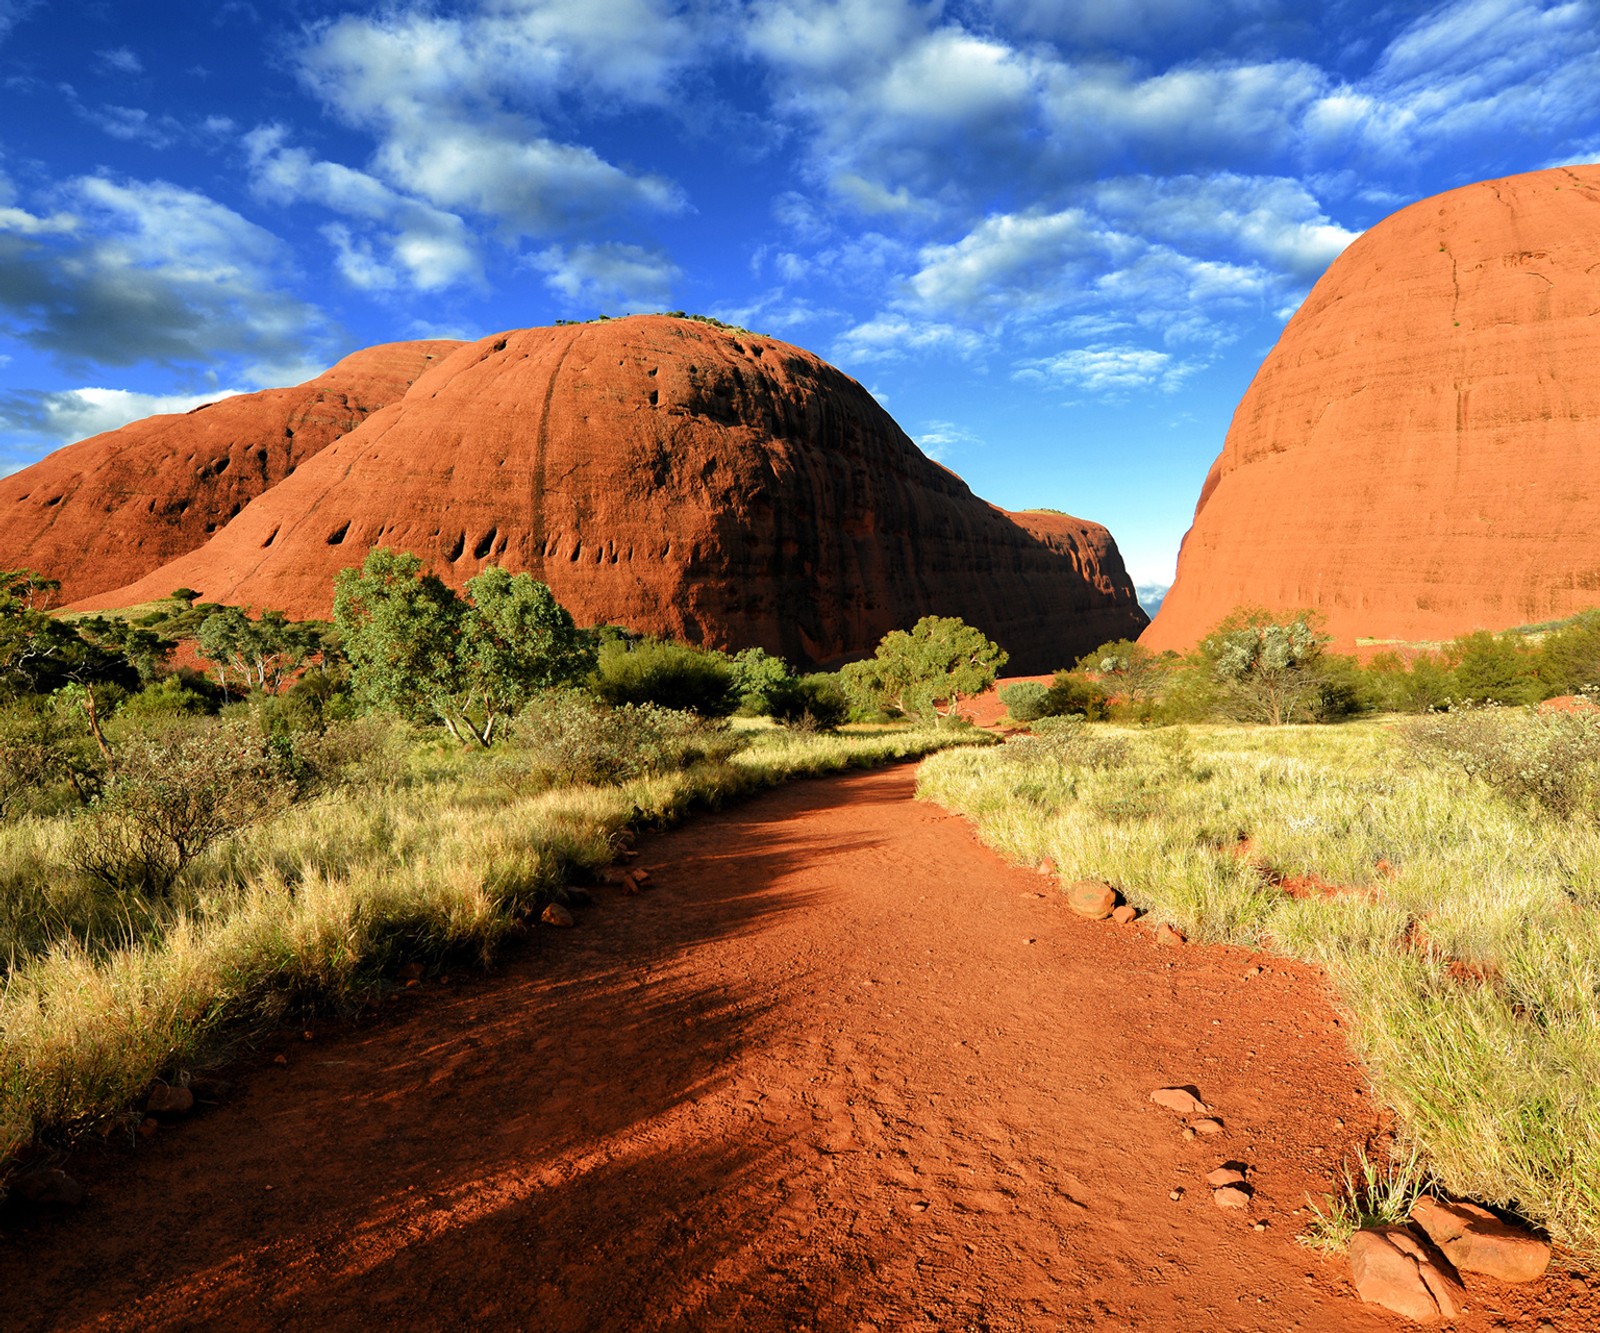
1416 457
678 478
109 509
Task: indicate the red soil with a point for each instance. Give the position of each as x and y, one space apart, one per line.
841 1069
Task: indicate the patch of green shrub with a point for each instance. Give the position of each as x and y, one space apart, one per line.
1025 701
570 737
667 675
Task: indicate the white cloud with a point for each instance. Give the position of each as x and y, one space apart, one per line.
433 247
120 61
1272 219
60 417
941 439
456 104
625 277
892 337
1111 371
130 271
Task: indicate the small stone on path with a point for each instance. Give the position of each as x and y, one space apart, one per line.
555 914
1125 915
169 1101
1170 935
49 1188
1225 1175
1207 1126
1092 898
1232 1196
1183 1100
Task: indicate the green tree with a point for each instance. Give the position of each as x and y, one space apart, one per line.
927 672
760 678
1268 668
668 675
1492 668
1128 668
418 649
516 640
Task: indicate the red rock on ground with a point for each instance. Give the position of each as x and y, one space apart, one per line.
112 508
1392 1268
678 478
1411 458
1476 1241
1092 898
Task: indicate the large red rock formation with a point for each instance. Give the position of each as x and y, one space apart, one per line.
103 512
676 478
1416 457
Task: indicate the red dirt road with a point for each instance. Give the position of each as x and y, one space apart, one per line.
840 1069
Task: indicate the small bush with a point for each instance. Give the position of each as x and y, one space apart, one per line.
174 795
666 675
1073 694
573 738
1025 700
1068 742
810 703
47 762
1547 760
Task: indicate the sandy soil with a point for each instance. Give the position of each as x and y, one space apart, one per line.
840 1069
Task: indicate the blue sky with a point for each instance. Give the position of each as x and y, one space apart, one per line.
1055 239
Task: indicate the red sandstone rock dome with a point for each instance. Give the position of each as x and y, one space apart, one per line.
103 512
674 477
1419 455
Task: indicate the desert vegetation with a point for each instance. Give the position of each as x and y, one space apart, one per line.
186 860
1273 669
1441 869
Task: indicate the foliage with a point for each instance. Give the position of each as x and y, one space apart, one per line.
175 794
419 650
927 672
1550 760
1570 657
262 652
1268 668
758 677
815 702
668 675
572 737
1073 694
1024 701
46 760
1127 668
1492 668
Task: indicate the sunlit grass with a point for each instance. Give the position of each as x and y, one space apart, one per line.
1494 1067
440 859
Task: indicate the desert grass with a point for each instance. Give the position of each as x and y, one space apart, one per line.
1459 927
437 857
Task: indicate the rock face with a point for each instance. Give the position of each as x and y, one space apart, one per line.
1414 457
673 477
104 512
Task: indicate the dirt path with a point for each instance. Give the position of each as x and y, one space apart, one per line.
840 1069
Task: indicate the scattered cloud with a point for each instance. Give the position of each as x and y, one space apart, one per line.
893 337
608 277
129 271
119 61
430 247
51 419
940 440
1111 371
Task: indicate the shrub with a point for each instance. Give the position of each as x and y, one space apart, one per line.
1547 760
1269 670
1069 742
174 795
1025 701
759 678
571 737
927 671
810 703
46 760
667 675
1073 694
